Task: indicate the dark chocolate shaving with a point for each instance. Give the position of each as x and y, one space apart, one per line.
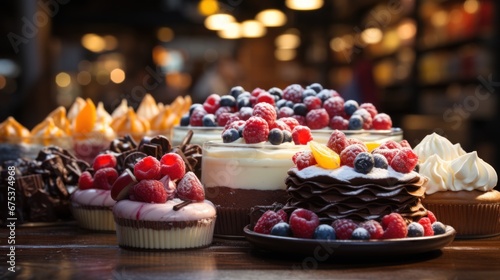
182 205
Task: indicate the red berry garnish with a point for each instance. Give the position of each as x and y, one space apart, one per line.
149 191
374 228
265 111
394 226
173 165
196 118
300 119
291 122
338 122
303 222
370 108
283 215
404 161
237 124
335 107
389 154
223 118
147 168
301 135
293 93
431 216
256 130
344 228
426 223
382 121
190 188
312 102
245 113
390 144
348 155
281 125
265 97
122 185
85 181
104 178
304 159
337 141
266 222
103 161
211 104
317 119
365 115
404 144
285 112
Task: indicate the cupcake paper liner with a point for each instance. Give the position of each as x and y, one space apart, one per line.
94 219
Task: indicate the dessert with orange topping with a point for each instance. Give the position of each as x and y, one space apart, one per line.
14 139
170 116
130 123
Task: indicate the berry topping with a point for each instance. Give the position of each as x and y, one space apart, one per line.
404 161
390 144
230 135
283 215
431 216
103 161
365 115
389 154
317 87
350 106
290 121
196 118
374 228
301 135
360 234
293 93
404 144
190 188
438 228
337 141
265 97
266 222
172 165
281 125
415 230
147 168
382 121
122 185
285 112
338 122
348 155
208 120
211 104
256 130
300 109
344 228
335 107
380 161
394 226
364 162
317 119
303 222
324 232
355 122
426 223
236 91
223 118
227 101
324 156
304 159
370 108
281 229
85 181
104 178
149 191
265 111
245 113
312 102
275 136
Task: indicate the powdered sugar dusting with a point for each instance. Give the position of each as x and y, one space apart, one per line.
346 173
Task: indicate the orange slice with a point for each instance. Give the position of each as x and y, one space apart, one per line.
324 156
372 146
86 118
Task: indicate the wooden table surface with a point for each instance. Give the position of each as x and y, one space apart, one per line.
66 252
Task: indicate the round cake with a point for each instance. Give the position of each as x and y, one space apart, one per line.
92 209
461 187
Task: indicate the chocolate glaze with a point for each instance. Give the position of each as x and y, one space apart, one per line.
160 225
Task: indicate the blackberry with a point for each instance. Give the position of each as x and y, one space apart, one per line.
355 123
275 136
209 120
281 229
415 230
287 136
350 106
360 234
230 135
324 232
300 109
227 100
236 91
438 228
185 120
276 92
363 163
317 87
380 161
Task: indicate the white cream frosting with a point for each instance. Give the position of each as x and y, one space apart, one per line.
450 168
92 197
163 212
346 173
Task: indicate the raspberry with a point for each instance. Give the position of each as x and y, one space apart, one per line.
173 165
285 112
431 217
190 188
404 144
103 161
301 135
303 222
257 91
312 102
348 155
335 107
211 104
394 226
304 159
256 130
104 178
374 228
426 223
234 124
223 118
404 161
245 113
351 141
317 119
85 181
196 118
382 121
338 122
365 115
221 110
149 191
147 168
344 228
265 111
337 141
265 97
390 144
389 154
370 108
293 93
300 119
266 222
291 122
281 125
283 215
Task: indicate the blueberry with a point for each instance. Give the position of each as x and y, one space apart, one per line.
355 123
438 228
380 161
209 120
317 87
350 106
415 230
281 229
276 92
235 91
287 136
245 94
281 103
230 135
300 109
308 92
185 120
324 232
360 234
364 162
194 106
324 94
275 136
240 130
227 100
244 102
289 104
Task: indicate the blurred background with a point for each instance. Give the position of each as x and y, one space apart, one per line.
432 65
